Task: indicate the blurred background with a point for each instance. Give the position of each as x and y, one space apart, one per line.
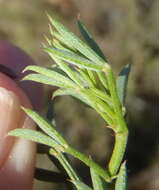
128 32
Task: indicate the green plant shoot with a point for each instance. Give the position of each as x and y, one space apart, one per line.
82 71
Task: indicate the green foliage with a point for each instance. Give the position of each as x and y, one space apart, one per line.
81 71
122 82
64 162
89 39
98 183
121 182
80 185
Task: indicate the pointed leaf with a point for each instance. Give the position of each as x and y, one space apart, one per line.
92 76
86 77
63 92
76 43
103 79
51 74
97 181
45 126
74 59
35 136
80 185
70 72
89 39
66 165
103 96
122 82
121 181
98 104
45 80
62 43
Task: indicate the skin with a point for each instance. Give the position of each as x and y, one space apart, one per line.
17 156
16 60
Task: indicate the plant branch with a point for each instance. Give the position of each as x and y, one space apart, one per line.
118 152
121 131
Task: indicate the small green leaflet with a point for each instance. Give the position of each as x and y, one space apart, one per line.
45 126
98 183
101 95
80 185
66 165
89 39
74 93
74 59
35 136
76 43
71 73
55 76
44 80
122 82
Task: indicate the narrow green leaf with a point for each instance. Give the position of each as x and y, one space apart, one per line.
51 74
44 80
103 96
99 105
70 72
62 92
35 136
92 76
71 92
103 79
63 43
97 181
75 42
74 59
89 39
45 126
121 181
66 165
86 77
122 82
58 45
80 185
62 162
95 103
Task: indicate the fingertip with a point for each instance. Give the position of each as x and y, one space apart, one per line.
18 171
16 60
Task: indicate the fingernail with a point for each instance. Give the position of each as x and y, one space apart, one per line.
11 117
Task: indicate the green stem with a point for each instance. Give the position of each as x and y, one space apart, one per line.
64 162
89 162
121 126
121 131
118 152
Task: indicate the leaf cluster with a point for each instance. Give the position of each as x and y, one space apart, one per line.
81 71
